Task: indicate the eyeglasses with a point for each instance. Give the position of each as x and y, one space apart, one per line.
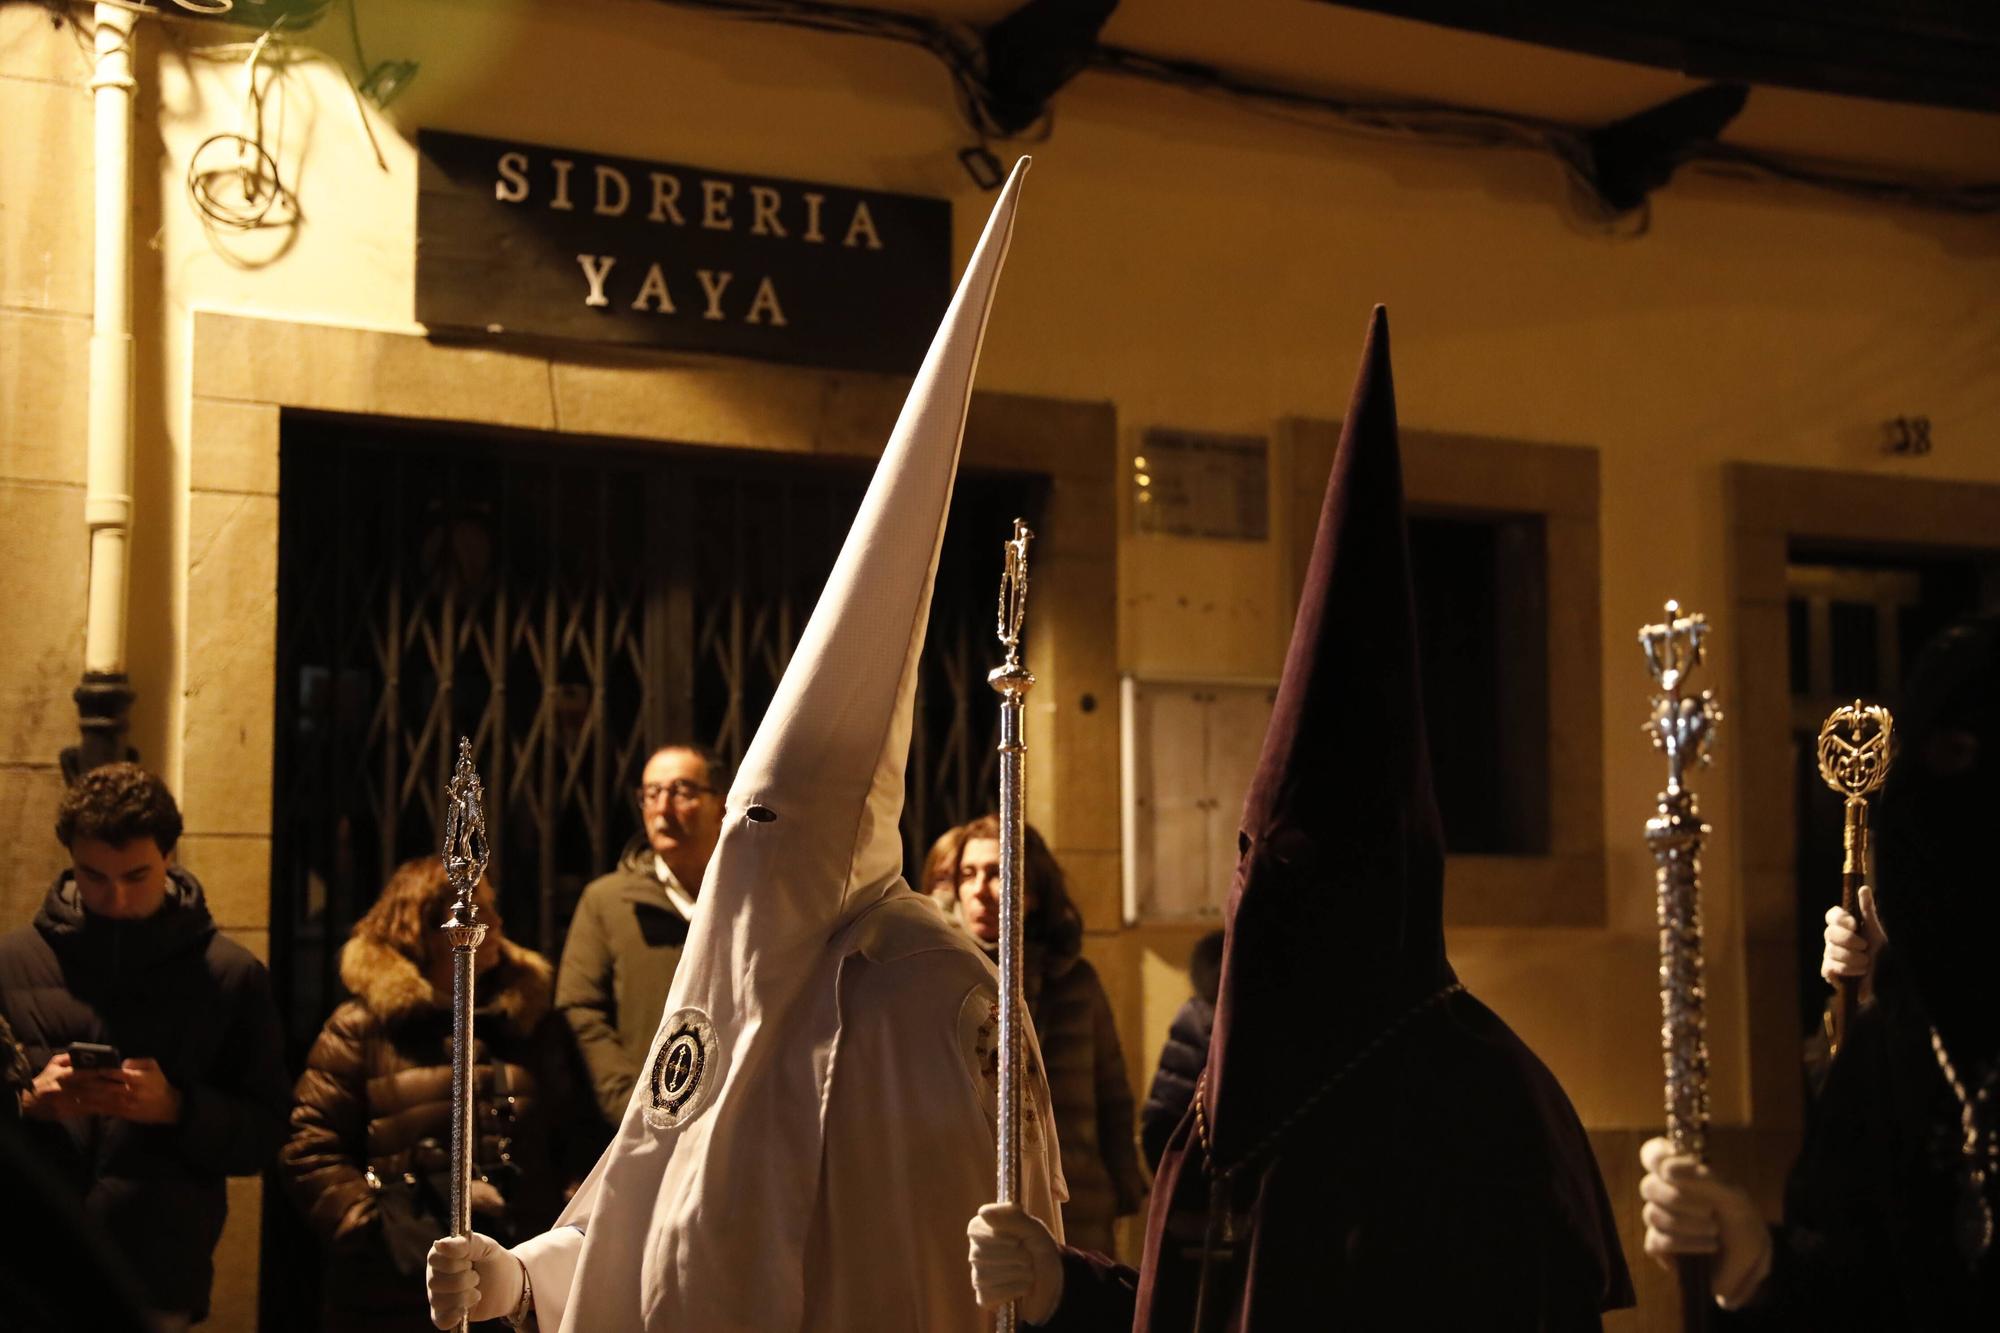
680 789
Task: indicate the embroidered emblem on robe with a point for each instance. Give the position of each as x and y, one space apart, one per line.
682 1079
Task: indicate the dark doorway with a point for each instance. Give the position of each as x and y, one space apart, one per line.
1480 586
1857 620
569 607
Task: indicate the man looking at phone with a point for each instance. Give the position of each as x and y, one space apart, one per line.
161 1068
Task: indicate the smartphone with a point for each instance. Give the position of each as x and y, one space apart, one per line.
93 1055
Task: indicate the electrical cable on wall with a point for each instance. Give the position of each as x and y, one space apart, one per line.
234 181
962 51
1615 198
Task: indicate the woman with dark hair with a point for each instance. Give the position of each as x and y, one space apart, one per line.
369 1155
1072 1017
939 880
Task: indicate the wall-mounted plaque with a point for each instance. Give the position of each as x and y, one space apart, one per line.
1194 484
518 238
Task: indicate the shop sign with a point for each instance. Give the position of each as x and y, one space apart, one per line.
521 239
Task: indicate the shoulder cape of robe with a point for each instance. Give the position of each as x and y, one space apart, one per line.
907 1104
1446 1184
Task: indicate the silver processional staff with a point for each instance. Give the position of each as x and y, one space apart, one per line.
1012 680
464 857
1681 726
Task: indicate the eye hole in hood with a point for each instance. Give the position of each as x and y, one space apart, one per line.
760 814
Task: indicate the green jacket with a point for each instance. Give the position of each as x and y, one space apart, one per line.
617 964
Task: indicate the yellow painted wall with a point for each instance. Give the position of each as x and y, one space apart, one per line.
44 365
1194 263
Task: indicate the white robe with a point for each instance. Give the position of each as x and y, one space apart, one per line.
908 1149
812 1132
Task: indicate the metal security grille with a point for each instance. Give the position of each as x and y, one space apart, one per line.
569 609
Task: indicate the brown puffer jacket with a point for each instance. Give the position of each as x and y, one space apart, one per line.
1087 1090
375 1099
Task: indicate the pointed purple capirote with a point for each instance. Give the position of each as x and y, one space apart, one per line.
1340 839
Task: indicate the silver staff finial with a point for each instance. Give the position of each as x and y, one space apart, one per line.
465 849
1682 723
1014 593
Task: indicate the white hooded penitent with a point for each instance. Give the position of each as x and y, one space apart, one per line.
782 1070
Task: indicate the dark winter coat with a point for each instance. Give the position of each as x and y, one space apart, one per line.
1087 1090
171 988
376 1097
1181 1061
617 964
58 1274
1870 1236
15 1076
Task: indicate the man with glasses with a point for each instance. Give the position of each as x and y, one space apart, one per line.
625 939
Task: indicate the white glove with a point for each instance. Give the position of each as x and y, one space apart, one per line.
1014 1258
472 1277
1689 1211
1851 945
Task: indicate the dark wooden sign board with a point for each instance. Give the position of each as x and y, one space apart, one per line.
518 238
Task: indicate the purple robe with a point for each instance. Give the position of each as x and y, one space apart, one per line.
1398 1161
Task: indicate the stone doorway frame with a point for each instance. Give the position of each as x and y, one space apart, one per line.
1766 509
248 371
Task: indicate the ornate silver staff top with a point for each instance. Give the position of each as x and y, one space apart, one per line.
464 856
1013 598
1856 744
1681 726
1013 681
465 849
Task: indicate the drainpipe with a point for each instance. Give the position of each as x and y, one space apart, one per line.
105 694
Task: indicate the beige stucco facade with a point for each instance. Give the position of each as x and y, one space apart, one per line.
1179 262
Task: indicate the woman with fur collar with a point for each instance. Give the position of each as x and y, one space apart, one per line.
368 1158
1088 1090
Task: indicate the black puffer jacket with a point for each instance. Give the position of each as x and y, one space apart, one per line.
170 987
1087 1089
1181 1062
376 1097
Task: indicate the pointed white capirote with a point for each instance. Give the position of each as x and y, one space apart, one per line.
697 1216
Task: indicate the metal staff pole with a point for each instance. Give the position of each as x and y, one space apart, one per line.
464 858
1855 747
1012 680
1681 726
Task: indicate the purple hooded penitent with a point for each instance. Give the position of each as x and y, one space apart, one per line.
1392 1156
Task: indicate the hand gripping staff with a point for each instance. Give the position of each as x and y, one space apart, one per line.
1681 726
464 858
1013 681
1856 745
